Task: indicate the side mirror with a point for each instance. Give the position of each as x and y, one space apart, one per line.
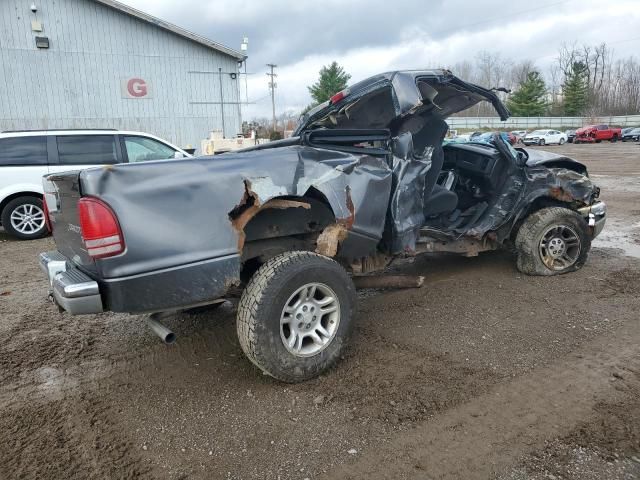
178 155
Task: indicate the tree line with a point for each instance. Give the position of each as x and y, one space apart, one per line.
582 80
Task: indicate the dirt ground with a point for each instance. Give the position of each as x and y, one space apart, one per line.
483 373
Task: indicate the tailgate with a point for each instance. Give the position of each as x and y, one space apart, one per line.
62 192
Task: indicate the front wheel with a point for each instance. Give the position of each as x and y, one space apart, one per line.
541 142
295 315
552 241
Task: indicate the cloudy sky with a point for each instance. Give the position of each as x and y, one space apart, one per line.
370 36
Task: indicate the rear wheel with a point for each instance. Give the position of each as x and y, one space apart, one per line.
23 217
614 139
295 316
561 142
552 241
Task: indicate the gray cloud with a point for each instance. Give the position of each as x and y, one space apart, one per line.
367 36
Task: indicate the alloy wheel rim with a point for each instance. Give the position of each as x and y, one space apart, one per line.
559 247
27 219
310 319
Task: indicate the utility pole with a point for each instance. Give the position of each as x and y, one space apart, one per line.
272 86
244 47
221 101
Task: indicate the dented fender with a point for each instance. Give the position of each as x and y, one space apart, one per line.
177 212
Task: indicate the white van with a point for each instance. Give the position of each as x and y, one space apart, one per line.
25 156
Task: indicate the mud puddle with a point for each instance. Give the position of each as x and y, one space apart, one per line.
620 236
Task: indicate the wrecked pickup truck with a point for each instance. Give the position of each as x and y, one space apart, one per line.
365 179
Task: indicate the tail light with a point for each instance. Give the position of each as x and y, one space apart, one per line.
339 96
100 228
47 221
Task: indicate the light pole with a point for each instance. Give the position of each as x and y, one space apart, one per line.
221 102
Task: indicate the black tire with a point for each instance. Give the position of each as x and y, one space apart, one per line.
532 231
561 142
614 139
598 141
261 307
15 204
541 142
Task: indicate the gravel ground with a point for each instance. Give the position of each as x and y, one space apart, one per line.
482 373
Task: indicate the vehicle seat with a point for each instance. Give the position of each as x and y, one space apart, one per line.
441 201
431 132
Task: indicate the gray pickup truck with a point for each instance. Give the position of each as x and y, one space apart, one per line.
367 178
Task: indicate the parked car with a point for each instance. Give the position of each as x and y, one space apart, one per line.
488 137
465 137
544 137
597 133
631 135
519 134
511 138
25 156
571 134
363 181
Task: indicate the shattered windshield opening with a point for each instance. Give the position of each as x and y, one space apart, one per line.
488 138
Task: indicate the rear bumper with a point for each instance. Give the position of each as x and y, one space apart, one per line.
71 289
173 288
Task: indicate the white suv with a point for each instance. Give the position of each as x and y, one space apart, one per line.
25 156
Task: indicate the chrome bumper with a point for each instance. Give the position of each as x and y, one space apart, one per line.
596 216
71 289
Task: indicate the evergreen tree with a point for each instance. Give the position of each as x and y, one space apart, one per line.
332 79
529 100
575 90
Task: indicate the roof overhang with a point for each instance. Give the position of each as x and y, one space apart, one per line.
145 17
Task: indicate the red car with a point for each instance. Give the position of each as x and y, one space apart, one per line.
597 133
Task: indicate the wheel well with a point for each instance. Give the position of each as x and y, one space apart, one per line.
18 195
538 204
283 224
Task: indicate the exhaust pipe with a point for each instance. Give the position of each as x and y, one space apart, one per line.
166 335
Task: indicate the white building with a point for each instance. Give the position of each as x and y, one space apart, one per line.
102 64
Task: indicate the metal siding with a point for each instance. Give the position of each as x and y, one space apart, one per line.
76 82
